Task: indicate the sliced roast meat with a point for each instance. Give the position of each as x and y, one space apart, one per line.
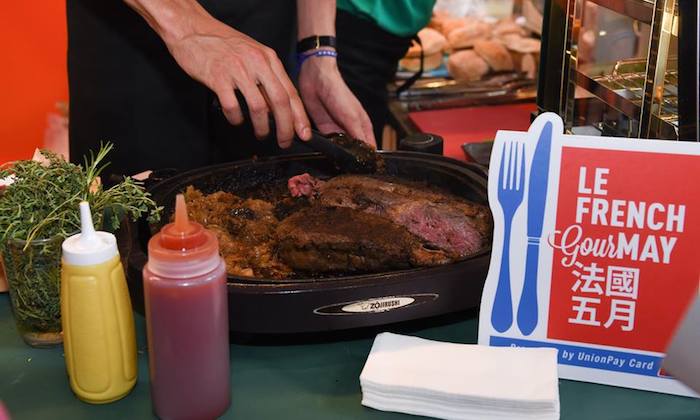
444 221
322 239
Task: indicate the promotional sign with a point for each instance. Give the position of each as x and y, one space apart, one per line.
596 251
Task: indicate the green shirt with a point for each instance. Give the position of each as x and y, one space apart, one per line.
399 17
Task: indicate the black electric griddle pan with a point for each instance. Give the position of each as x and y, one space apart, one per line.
332 303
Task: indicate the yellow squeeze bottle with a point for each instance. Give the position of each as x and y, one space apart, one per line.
98 324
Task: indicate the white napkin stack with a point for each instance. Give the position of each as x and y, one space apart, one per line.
460 381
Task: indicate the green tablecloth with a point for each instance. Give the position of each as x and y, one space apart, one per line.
287 381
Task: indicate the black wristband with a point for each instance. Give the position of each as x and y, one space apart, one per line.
314 42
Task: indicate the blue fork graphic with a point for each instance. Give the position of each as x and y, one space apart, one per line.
510 196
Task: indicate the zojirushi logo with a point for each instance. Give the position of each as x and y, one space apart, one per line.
381 305
378 304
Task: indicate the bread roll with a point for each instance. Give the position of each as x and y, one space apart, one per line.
440 14
505 27
508 39
525 63
431 62
525 53
466 36
454 24
495 54
524 45
432 40
438 19
466 65
446 23
528 65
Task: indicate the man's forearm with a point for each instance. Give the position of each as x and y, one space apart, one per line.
315 17
171 19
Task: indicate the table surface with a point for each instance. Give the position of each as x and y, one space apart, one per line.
272 380
458 126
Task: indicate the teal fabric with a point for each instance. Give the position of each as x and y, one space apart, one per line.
314 380
399 17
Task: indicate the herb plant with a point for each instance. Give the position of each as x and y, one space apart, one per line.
43 200
40 209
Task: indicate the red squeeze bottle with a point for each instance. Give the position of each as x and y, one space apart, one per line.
187 321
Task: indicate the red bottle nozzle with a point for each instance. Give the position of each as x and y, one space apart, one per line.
183 248
182 234
182 222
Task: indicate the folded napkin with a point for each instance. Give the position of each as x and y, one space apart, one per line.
460 381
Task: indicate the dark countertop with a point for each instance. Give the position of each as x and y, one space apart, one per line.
278 379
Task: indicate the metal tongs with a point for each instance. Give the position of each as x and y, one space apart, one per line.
348 155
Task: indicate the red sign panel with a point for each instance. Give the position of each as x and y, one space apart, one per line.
621 231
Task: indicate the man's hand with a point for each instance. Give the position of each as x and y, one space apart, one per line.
330 103
328 99
224 59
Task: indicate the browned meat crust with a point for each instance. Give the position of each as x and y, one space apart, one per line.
365 155
326 239
444 221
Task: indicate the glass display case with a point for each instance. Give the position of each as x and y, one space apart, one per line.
621 67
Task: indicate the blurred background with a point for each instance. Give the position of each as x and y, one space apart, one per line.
33 78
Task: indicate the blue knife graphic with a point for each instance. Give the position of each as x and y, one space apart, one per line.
536 201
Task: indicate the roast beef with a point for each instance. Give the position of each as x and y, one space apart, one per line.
348 224
443 221
322 239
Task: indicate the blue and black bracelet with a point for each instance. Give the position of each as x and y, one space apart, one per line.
315 46
316 53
